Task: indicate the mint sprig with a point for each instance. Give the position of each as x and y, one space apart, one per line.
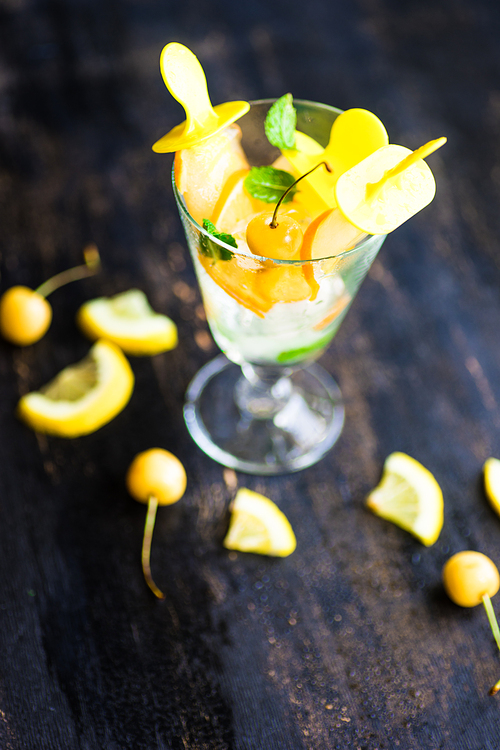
268 184
211 249
281 121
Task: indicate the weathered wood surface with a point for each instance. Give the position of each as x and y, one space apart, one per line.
351 642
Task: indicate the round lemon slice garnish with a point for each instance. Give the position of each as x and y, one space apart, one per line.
258 525
82 397
409 496
491 471
128 320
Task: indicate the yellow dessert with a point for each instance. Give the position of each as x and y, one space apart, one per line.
355 134
202 171
331 200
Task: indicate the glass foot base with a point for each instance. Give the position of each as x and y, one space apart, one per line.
294 437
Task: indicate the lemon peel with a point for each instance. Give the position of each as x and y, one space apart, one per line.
258 525
491 470
409 496
83 396
128 320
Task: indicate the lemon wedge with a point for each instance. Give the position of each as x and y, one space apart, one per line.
82 397
128 320
491 471
235 204
409 496
258 525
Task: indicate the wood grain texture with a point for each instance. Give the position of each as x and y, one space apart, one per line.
350 642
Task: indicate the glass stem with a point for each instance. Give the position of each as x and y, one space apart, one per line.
495 630
146 546
91 266
263 391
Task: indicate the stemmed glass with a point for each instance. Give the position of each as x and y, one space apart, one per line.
265 406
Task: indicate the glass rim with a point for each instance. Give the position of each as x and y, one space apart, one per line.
285 262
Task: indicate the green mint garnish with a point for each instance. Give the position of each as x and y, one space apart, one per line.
268 184
295 354
280 123
211 249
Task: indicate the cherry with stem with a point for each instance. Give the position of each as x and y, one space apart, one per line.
155 477
274 223
470 578
25 314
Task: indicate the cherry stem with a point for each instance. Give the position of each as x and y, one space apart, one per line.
146 546
274 223
495 630
91 266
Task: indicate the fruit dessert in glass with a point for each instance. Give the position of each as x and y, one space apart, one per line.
276 219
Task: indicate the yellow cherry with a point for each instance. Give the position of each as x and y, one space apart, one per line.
281 240
25 315
155 477
469 576
156 472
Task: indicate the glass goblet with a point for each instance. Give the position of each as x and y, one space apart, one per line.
264 406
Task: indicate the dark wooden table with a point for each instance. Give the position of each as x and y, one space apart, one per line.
350 642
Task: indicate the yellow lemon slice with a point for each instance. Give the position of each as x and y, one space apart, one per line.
258 525
491 471
83 397
128 320
235 204
409 496
306 154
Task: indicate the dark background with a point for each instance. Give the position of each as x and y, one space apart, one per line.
350 642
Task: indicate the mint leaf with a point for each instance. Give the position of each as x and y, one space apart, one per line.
280 123
268 184
291 354
211 249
